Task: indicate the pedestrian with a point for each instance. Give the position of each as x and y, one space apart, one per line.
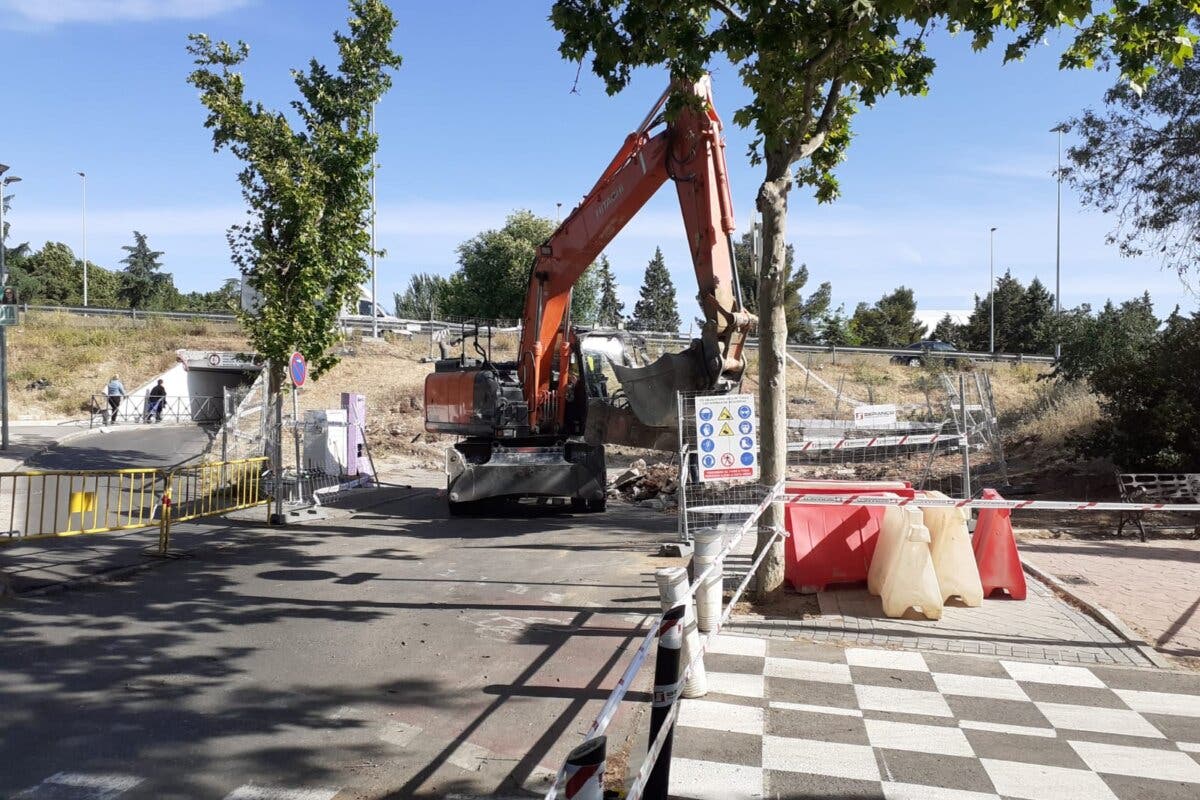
115 391
155 402
10 296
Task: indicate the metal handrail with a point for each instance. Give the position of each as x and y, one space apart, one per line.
140 408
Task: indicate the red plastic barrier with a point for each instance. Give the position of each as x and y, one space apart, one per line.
996 551
833 544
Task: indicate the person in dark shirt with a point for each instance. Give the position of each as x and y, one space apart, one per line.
156 400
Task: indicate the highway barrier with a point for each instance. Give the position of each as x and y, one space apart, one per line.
61 503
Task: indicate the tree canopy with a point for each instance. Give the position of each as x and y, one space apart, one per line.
423 298
1138 158
802 316
890 322
304 244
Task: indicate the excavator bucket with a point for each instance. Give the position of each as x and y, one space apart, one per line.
652 389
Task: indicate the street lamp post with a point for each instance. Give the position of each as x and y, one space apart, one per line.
4 329
992 290
83 183
374 273
1058 248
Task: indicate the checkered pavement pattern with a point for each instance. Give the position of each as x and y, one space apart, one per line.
794 719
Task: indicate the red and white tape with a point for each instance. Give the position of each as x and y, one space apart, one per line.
872 441
949 502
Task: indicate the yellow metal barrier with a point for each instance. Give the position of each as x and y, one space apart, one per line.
218 487
43 505
39 505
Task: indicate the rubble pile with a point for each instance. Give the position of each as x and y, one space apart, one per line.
654 486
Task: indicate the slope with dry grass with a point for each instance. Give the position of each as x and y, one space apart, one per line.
78 355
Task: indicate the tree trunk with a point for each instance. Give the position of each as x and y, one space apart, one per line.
772 362
274 438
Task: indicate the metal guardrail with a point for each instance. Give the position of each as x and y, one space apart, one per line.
60 503
139 409
431 326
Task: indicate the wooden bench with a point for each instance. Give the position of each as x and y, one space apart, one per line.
1149 487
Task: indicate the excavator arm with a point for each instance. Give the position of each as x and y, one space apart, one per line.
690 152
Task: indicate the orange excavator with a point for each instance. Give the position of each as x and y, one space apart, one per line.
536 427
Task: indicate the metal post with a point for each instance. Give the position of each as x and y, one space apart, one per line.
666 694
1058 250
992 291
83 182
296 437
584 770
277 445
3 328
964 437
374 275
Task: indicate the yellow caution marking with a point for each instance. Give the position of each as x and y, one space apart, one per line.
726 430
83 502
725 414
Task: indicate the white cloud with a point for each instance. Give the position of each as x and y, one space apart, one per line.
46 13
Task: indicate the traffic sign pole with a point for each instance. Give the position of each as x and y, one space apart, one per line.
298 371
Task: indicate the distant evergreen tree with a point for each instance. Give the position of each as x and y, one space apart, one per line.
657 309
585 300
891 322
833 329
803 316
611 310
421 299
1035 320
947 330
141 282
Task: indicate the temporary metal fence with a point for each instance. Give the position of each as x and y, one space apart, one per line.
148 410
55 504
667 696
40 505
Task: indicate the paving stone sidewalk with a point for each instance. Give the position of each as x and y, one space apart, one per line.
1152 586
792 719
1043 627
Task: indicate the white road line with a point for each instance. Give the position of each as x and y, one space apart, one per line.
1000 727
252 792
80 786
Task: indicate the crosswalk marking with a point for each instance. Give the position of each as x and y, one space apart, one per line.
80 786
252 792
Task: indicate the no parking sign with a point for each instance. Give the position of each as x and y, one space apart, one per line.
727 436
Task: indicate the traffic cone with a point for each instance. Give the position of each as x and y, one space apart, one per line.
996 551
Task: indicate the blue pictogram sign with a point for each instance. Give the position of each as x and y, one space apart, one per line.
747 443
707 445
706 429
744 428
706 414
745 412
709 462
747 458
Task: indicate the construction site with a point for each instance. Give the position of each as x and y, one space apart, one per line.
275 542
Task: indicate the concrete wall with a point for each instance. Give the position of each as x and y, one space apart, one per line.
192 385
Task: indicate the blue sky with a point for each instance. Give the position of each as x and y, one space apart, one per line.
481 121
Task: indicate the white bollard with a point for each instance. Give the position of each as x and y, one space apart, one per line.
672 588
708 598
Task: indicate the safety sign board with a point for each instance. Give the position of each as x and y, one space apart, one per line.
297 369
727 435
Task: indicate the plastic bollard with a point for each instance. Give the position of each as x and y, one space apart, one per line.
666 694
672 591
708 597
584 770
953 559
894 527
911 581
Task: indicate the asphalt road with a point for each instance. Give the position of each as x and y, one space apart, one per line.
116 448
392 653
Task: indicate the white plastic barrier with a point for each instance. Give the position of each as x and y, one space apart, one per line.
708 596
953 559
911 581
893 530
673 590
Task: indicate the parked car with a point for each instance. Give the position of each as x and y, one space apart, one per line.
922 350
